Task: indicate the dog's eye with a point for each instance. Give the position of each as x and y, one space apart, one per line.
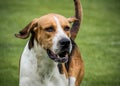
67 28
49 29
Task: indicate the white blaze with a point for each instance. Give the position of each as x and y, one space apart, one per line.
59 35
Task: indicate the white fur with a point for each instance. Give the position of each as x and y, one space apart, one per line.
59 35
72 81
36 69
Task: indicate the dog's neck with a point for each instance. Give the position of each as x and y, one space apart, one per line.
38 58
42 58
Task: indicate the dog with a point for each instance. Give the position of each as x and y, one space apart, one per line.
50 57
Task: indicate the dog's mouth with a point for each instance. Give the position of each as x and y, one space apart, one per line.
62 57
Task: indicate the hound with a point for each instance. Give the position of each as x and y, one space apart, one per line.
51 57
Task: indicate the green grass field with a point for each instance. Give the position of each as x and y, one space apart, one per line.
98 39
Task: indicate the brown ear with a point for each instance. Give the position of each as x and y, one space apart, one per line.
72 19
24 33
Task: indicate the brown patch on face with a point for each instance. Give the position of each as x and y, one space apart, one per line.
47 28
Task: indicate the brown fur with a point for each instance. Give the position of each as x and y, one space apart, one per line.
76 67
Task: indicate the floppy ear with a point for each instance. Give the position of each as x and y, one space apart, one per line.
24 33
72 19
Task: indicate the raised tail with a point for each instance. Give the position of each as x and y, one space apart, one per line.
78 14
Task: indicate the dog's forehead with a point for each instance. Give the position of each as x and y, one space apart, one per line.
49 20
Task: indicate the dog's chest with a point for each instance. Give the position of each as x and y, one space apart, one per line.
36 69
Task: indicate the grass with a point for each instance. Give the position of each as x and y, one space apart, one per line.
98 39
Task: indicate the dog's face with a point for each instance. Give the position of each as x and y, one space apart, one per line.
52 32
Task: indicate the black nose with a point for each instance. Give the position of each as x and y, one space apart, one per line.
64 42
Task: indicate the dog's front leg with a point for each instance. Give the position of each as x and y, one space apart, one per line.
76 68
71 81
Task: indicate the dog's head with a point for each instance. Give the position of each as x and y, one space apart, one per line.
52 32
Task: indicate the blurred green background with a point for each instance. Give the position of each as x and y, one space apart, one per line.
98 38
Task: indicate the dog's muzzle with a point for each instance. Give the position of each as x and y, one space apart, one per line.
62 55
64 45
